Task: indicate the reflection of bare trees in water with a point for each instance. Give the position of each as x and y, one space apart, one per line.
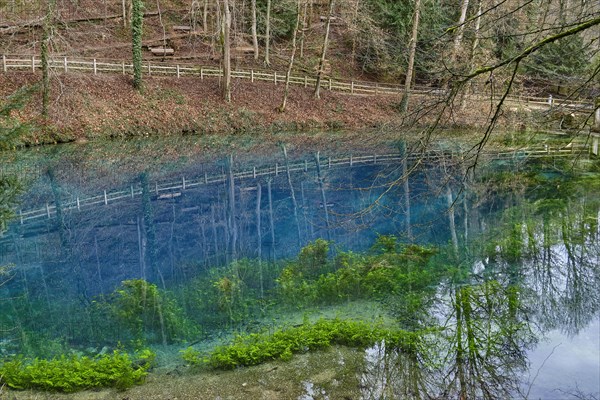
479 353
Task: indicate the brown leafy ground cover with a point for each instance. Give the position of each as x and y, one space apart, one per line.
87 106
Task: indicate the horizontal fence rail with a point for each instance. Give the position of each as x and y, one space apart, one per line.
173 189
97 66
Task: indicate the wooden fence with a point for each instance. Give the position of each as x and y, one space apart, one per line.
173 189
96 66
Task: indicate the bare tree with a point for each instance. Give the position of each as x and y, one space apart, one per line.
324 51
411 57
254 35
268 34
291 63
226 50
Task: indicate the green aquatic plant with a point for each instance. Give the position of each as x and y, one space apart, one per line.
391 269
256 348
148 313
74 373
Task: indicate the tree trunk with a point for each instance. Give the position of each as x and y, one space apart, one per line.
137 19
290 66
46 36
205 17
323 197
460 29
354 25
450 203
293 193
231 218
124 11
324 52
411 57
304 16
467 89
408 225
268 34
254 35
259 238
271 221
225 32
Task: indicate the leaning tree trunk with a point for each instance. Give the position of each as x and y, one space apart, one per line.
225 32
137 19
291 64
324 52
411 57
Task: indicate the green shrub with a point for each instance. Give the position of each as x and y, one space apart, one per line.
74 373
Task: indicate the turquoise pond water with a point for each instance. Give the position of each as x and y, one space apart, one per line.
512 286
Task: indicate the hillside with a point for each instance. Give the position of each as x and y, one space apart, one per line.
369 41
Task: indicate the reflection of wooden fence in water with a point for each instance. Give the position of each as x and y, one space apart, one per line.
96 66
170 189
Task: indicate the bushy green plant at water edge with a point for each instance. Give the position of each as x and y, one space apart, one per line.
74 373
253 349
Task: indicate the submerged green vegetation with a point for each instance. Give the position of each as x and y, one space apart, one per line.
247 312
257 348
74 373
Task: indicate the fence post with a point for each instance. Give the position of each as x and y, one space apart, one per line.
132 195
352 87
123 65
351 160
177 70
66 65
3 63
21 216
329 84
105 198
201 73
276 169
78 204
48 210
251 75
254 172
275 77
374 158
305 166
329 162
149 69
32 63
95 67
305 81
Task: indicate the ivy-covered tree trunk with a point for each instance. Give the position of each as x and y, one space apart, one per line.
137 19
411 57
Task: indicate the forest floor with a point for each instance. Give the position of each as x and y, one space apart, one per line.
85 107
